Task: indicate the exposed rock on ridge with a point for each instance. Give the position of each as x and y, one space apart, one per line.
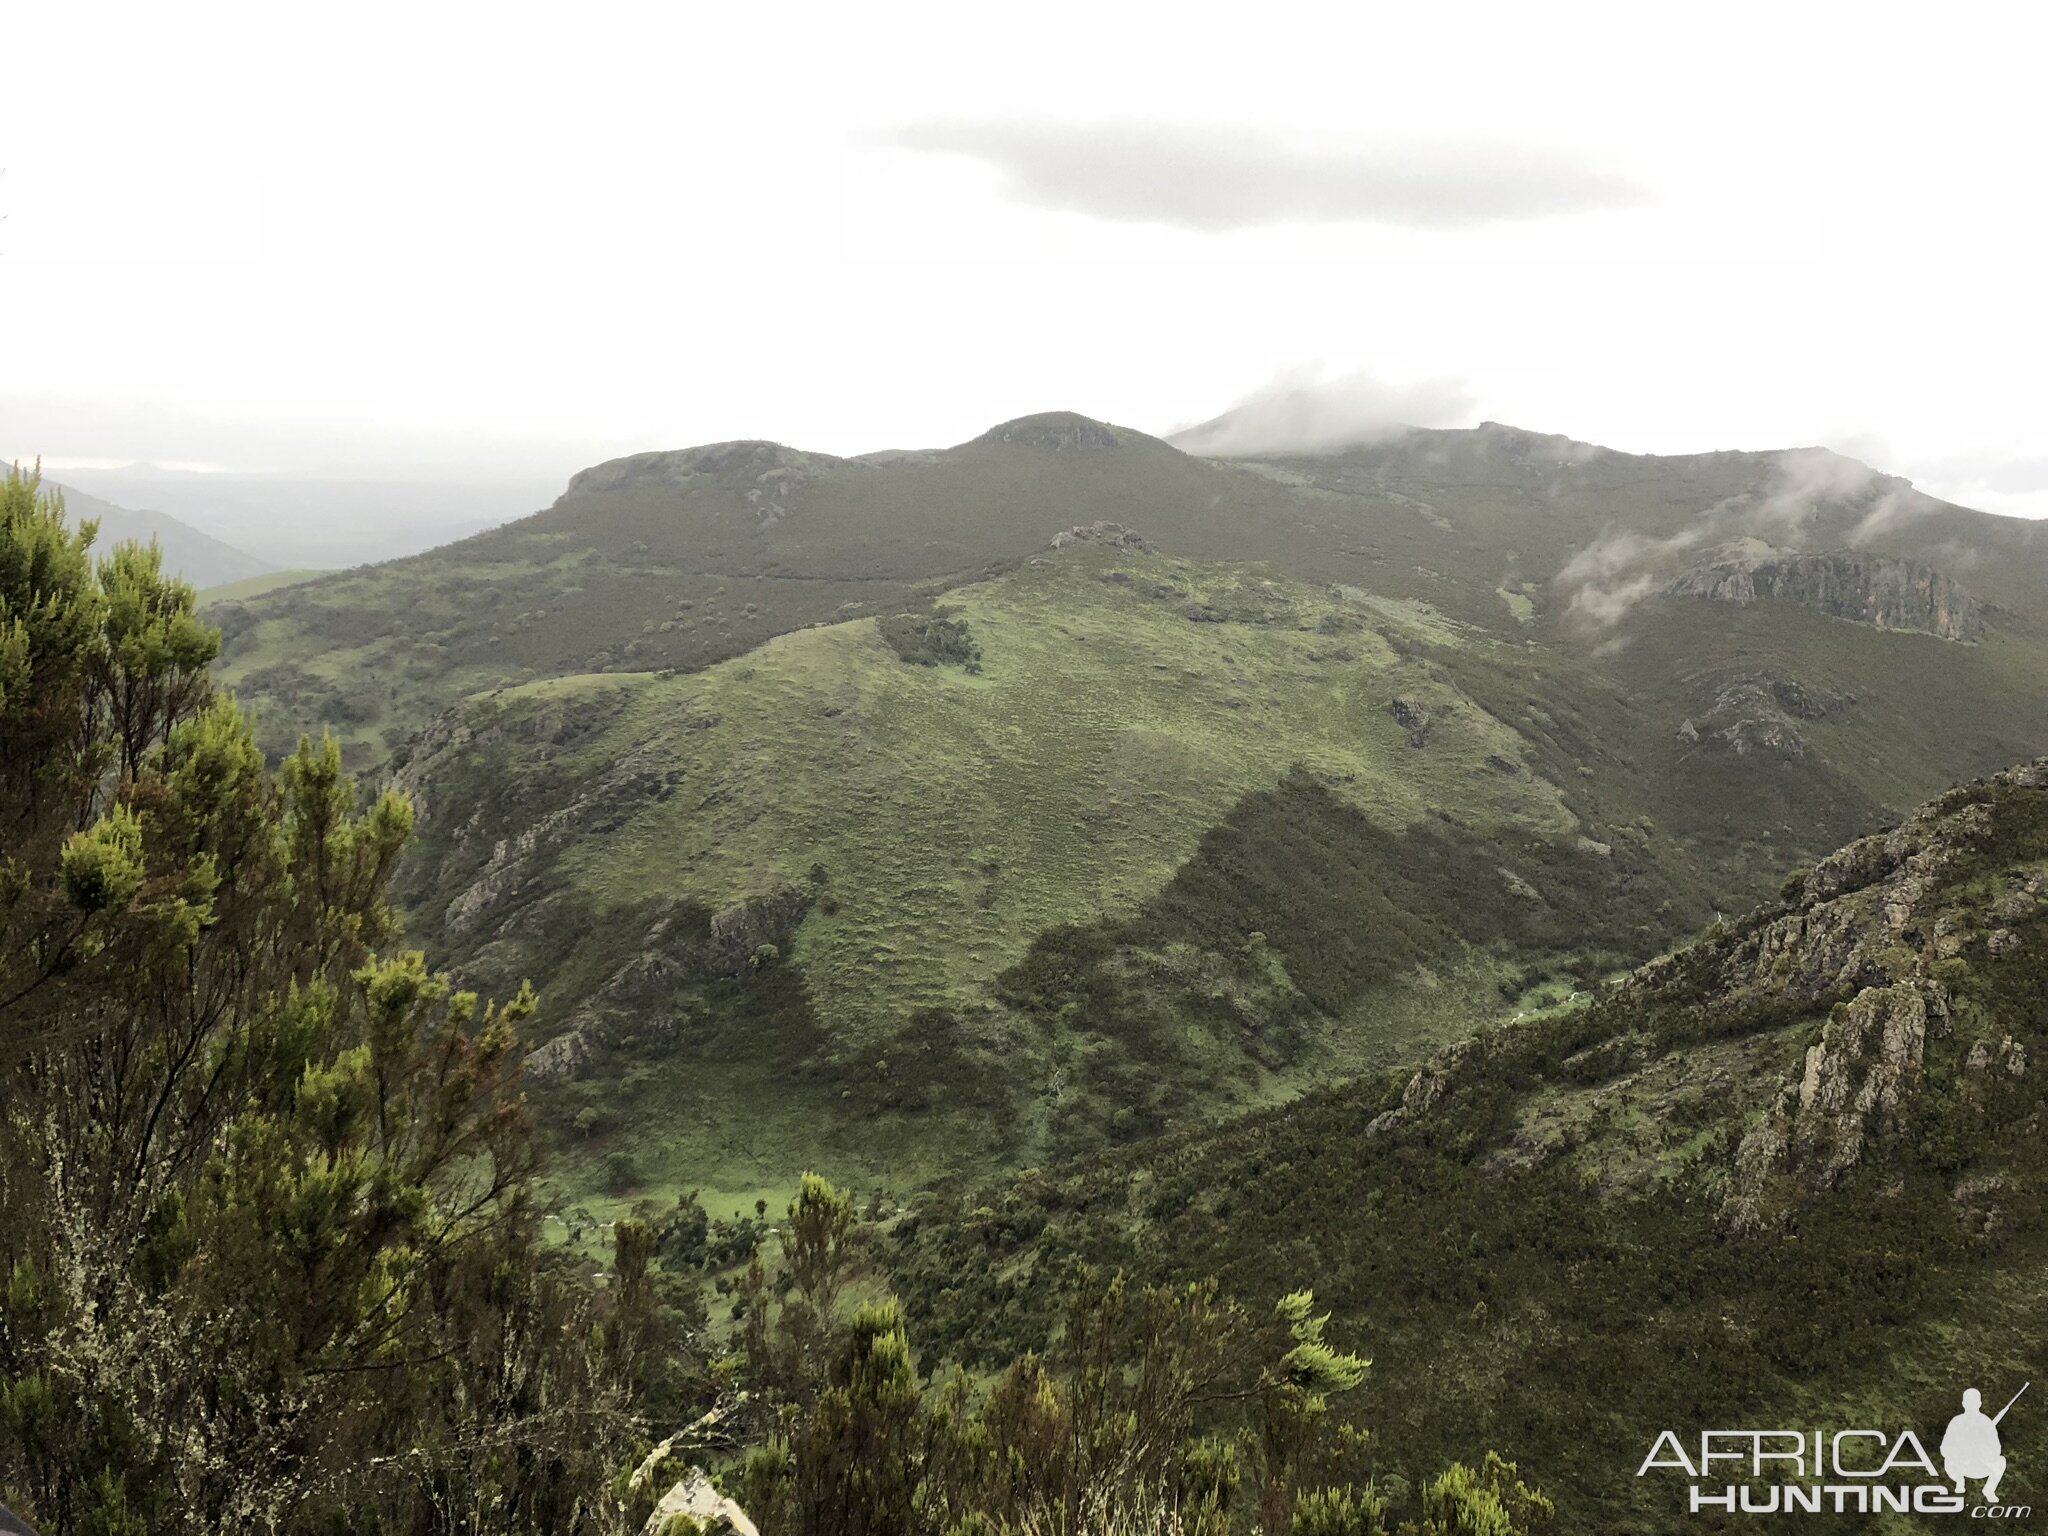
1869 589
1885 944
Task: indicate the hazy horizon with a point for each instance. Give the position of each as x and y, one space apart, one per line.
1650 232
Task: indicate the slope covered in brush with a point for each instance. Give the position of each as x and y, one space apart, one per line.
929 811
1793 1173
1162 837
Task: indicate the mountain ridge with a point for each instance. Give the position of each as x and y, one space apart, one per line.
590 583
691 712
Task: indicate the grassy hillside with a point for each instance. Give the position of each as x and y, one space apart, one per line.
1792 1175
930 812
904 837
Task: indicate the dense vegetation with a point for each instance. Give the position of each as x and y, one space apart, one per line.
1168 1408
270 1243
794 897
910 818
1532 1239
270 1249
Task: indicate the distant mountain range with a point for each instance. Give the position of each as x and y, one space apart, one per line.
199 558
298 522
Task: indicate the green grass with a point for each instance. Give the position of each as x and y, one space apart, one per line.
256 586
942 821
959 815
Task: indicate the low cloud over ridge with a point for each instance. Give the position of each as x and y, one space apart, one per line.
1604 581
1213 178
1301 412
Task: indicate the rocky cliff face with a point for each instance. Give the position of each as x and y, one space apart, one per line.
1891 999
1889 929
1868 589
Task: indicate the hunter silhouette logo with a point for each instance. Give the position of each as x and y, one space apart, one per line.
1971 1448
1845 1471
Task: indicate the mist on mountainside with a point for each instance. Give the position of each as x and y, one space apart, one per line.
1304 412
291 521
188 553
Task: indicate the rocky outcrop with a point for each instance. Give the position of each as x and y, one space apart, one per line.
1886 944
692 1503
678 949
1114 535
750 933
1758 714
1414 716
1868 930
1868 589
1858 1088
695 1507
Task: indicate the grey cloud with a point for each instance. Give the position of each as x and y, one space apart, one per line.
2015 485
1805 479
1603 607
1299 412
1894 508
1206 177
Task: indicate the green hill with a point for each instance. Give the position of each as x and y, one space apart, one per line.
1791 1175
923 813
855 869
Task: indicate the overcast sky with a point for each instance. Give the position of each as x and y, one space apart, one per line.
476 241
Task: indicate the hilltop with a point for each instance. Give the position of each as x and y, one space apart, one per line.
680 559
1792 1173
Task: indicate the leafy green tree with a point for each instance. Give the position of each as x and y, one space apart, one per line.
267 1227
